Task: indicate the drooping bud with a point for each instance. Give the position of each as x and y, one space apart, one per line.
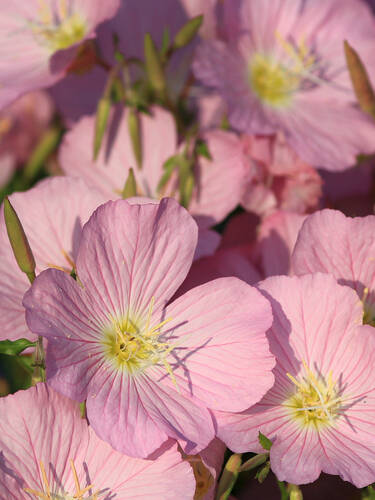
263 473
187 32
130 188
154 68
229 476
360 80
254 462
18 240
46 145
135 135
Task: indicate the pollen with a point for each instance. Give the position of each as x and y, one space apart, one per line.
275 79
133 344
316 401
49 494
57 26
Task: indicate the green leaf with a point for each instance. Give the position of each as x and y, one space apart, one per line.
169 165
264 441
15 347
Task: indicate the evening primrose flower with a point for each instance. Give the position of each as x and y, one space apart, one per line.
48 452
149 369
320 412
218 182
281 66
330 242
39 39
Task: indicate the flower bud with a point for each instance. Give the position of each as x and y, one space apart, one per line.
19 242
187 32
360 80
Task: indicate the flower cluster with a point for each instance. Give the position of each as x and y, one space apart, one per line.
186 248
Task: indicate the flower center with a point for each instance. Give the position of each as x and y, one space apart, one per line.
276 81
132 344
48 494
316 401
58 27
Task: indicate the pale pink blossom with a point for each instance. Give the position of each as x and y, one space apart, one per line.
52 214
320 413
40 38
49 451
277 177
22 125
330 242
149 369
218 182
280 65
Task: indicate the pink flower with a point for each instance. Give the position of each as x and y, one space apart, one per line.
219 182
22 124
149 370
52 214
39 39
330 242
282 67
49 451
277 178
320 412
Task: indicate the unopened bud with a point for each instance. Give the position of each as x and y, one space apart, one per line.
102 114
135 135
187 32
154 68
294 492
229 476
360 80
18 241
130 188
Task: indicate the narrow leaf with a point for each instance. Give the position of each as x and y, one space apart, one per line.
264 441
102 114
154 68
254 462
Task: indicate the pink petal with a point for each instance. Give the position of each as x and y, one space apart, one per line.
221 324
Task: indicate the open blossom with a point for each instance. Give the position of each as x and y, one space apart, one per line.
282 67
149 370
39 39
320 414
330 242
218 182
52 214
49 452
